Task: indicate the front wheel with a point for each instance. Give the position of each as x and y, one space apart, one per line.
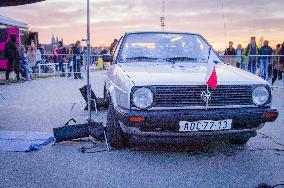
114 133
242 141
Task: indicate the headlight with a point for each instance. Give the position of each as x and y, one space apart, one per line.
142 98
260 95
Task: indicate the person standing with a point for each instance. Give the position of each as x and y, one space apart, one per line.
239 57
40 48
31 56
43 57
280 66
24 63
266 51
281 63
61 51
12 54
102 54
251 51
231 53
38 57
276 65
77 60
69 58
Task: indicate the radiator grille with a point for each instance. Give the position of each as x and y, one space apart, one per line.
180 96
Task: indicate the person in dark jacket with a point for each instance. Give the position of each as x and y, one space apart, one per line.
77 63
103 52
266 51
231 53
276 64
231 50
12 54
251 51
61 55
281 63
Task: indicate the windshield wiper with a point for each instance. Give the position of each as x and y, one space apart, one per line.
141 58
174 59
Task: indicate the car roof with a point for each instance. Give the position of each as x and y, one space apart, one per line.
161 32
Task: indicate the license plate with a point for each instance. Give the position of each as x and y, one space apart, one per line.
205 125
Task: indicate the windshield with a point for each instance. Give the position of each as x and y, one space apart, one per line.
164 46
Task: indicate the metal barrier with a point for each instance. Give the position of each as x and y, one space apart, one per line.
50 65
267 67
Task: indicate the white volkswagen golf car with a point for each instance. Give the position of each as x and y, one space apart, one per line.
156 85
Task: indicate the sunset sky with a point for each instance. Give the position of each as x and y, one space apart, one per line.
111 18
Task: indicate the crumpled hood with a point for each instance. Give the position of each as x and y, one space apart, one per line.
145 73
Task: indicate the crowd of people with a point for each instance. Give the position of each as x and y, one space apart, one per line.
21 60
71 55
269 61
75 57
24 61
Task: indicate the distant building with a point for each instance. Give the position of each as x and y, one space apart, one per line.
54 41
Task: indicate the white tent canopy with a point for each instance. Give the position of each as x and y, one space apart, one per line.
5 21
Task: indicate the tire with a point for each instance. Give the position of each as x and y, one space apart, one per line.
242 141
114 133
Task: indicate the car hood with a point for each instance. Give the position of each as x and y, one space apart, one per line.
145 73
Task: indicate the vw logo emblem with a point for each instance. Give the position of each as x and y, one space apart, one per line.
206 96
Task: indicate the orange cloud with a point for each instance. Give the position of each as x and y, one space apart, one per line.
111 18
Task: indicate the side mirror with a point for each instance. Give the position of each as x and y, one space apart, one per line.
107 58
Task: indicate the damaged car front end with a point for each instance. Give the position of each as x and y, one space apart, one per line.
158 94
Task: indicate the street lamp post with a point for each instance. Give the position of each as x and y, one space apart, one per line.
88 63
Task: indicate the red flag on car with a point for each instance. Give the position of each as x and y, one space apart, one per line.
211 75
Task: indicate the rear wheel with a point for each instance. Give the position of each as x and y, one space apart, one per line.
239 141
114 132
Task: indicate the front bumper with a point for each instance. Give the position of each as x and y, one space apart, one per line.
165 123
